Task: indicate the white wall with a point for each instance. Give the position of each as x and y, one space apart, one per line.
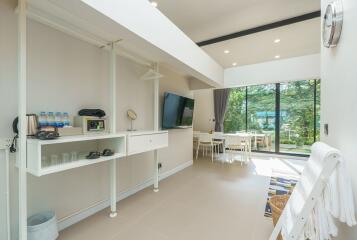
298 68
339 98
66 74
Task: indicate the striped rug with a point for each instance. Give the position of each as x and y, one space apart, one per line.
280 184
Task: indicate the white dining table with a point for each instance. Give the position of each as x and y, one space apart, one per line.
246 136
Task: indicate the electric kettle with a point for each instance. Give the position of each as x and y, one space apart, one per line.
32 124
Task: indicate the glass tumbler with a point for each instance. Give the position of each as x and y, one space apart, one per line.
66 158
54 160
74 156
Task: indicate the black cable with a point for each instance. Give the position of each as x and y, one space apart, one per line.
13 144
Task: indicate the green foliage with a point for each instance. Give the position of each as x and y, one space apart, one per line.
234 119
296 108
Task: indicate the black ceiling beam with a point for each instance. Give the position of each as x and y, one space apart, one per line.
262 28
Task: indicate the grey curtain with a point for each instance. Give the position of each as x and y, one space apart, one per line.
220 106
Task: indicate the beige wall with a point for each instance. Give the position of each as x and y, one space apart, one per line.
66 74
204 110
338 97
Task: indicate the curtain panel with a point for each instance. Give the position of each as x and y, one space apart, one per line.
220 107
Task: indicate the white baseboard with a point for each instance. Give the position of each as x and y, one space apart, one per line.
84 213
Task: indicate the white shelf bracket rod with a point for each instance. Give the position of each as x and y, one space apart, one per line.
156 127
113 163
22 102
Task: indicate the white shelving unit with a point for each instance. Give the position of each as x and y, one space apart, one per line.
31 151
38 149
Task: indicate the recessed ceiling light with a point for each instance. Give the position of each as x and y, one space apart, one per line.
277 56
277 40
153 3
226 51
234 64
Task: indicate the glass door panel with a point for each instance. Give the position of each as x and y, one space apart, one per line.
318 103
297 116
234 119
261 116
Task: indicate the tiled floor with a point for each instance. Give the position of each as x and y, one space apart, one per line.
206 201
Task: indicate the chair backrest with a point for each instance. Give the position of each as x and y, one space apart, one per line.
205 137
218 134
233 140
196 134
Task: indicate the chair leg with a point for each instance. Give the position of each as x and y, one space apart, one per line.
212 151
246 155
198 147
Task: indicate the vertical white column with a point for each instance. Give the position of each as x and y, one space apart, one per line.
156 128
22 102
113 165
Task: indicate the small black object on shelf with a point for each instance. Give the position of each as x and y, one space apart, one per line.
93 155
108 152
92 112
47 135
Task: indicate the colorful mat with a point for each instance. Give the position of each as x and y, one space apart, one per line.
280 184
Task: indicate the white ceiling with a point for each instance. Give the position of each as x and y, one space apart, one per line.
202 20
295 40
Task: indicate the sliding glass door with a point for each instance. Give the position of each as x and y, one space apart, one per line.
282 117
297 131
261 116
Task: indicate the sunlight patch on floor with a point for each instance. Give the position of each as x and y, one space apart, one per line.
264 167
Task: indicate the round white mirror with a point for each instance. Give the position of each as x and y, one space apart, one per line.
132 116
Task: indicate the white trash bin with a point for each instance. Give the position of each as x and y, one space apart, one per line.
42 226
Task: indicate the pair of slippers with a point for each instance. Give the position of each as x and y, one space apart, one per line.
96 154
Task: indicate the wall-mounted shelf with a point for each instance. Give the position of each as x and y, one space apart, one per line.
76 164
39 152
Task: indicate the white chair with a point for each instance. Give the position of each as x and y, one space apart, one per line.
218 140
235 143
205 142
195 139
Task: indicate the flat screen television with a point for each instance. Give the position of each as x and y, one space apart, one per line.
177 111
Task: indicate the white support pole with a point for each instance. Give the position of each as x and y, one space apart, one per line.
113 165
156 99
156 128
22 102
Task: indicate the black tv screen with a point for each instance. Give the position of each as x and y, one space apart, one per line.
177 111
